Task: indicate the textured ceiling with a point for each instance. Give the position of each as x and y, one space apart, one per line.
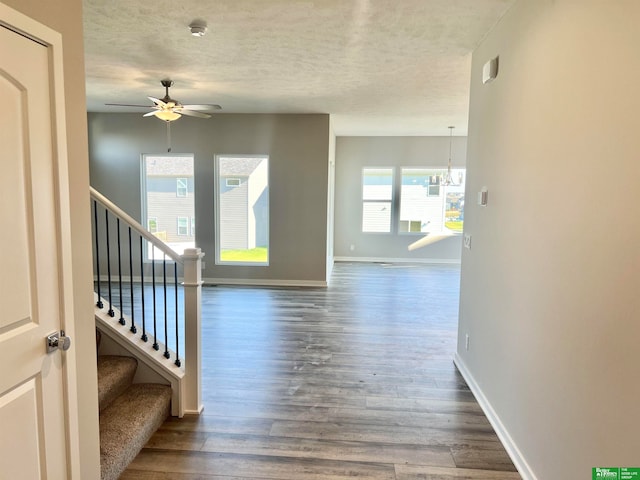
379 67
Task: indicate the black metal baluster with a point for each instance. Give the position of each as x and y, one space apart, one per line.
133 328
144 332
175 279
153 276
122 320
106 222
99 303
164 279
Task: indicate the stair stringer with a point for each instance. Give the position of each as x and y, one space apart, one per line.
145 354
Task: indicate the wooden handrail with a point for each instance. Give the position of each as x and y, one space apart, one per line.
117 211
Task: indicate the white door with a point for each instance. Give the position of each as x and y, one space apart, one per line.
33 295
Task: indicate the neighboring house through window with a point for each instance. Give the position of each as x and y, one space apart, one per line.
422 204
242 209
168 200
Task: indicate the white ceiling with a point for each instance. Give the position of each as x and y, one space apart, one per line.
379 67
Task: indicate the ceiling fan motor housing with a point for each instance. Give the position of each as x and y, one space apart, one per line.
166 83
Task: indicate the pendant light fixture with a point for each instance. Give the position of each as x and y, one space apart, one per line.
448 179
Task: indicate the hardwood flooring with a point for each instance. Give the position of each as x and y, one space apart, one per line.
352 381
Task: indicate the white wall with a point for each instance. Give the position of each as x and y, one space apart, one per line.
355 153
65 16
549 290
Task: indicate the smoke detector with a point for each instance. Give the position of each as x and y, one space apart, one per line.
198 28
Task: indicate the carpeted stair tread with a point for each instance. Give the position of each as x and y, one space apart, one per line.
127 424
115 375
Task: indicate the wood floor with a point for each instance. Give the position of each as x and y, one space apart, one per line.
352 381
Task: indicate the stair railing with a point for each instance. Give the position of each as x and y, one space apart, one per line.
149 302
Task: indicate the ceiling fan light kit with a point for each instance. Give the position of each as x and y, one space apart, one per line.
167 115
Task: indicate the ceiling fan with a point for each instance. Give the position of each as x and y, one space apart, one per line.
169 109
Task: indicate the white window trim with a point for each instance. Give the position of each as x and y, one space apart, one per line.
391 201
217 214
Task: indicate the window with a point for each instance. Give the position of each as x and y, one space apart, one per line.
183 226
428 206
193 226
434 186
377 196
167 195
242 210
181 187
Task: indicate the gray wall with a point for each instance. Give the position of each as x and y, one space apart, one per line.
298 150
549 290
355 153
331 172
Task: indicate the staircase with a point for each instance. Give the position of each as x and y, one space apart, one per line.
157 336
129 413
148 311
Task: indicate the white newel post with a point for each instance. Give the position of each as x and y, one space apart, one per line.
192 259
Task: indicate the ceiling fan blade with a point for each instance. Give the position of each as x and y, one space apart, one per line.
203 108
157 101
150 114
127 105
191 113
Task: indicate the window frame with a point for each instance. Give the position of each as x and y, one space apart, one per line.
433 176
372 201
218 214
185 226
434 183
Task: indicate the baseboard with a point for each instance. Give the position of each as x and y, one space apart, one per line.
265 282
138 278
509 445
195 412
435 261
259 282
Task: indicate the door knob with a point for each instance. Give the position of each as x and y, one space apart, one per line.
58 341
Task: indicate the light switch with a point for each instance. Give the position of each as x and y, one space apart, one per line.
483 197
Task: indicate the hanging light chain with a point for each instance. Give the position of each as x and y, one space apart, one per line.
448 179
